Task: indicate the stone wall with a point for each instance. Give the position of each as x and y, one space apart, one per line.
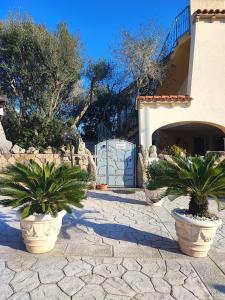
81 160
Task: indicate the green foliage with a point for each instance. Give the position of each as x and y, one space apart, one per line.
38 71
101 110
137 53
45 189
177 151
98 75
36 132
199 177
174 151
155 170
99 71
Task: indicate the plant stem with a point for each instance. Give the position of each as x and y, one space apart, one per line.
198 206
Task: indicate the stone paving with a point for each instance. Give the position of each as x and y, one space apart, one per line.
116 247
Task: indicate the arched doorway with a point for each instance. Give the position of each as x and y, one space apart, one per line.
195 137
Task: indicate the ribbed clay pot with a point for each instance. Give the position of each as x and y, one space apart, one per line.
195 236
40 232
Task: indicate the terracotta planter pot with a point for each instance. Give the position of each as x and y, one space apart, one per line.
40 232
102 187
154 197
195 237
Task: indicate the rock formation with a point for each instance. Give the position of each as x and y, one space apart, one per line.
5 145
17 150
153 151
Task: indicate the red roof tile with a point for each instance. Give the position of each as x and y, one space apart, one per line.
210 11
165 99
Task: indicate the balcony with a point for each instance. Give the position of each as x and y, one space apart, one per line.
179 28
176 52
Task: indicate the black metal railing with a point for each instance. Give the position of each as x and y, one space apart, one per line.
180 26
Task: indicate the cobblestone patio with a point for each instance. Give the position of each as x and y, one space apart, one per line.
116 247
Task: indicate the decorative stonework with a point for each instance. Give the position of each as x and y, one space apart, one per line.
195 237
86 161
153 151
144 158
164 100
17 150
5 145
40 235
209 14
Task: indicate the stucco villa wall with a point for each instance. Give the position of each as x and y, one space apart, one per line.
205 82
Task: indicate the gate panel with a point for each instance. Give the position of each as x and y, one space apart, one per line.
101 162
118 163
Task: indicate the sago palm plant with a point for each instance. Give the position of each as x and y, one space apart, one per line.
45 189
198 177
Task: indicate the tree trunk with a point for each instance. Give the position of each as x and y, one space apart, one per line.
77 119
198 206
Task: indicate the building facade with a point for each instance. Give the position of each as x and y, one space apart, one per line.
189 107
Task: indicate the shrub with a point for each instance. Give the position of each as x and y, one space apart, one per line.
154 171
177 151
45 189
198 177
174 151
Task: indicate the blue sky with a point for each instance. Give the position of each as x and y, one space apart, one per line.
97 21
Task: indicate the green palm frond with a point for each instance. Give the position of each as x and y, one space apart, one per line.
198 176
44 189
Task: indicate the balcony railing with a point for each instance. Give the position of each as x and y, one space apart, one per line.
180 26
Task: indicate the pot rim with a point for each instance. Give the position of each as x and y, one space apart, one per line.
41 217
158 189
200 223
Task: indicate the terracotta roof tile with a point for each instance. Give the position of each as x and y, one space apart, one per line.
210 11
165 98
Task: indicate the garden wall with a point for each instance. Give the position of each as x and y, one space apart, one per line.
82 160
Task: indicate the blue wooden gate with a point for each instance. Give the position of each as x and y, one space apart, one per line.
116 163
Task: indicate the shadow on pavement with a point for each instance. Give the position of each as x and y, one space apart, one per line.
9 235
112 198
115 231
219 287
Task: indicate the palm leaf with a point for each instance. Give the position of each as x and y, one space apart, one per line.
43 188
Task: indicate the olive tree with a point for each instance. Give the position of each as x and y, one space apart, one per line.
97 73
38 71
137 54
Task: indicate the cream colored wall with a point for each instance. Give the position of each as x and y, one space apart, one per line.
205 82
206 4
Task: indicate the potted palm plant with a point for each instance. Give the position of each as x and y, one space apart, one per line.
43 194
154 195
200 178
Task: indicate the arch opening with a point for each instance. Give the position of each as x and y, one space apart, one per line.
195 137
